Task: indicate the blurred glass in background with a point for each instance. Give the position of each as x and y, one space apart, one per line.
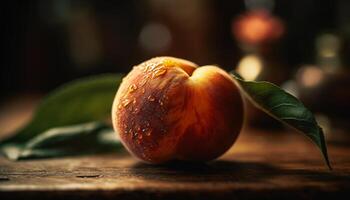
301 45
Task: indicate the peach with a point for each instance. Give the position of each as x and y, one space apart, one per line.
169 109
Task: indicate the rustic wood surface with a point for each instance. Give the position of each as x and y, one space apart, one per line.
261 165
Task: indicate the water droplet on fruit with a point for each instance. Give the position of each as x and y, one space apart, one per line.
125 126
161 102
136 110
134 134
150 98
145 68
148 133
125 102
153 66
165 97
132 88
159 72
143 81
120 106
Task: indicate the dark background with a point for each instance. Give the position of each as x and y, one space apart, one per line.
48 43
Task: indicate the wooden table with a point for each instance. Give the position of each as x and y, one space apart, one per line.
261 165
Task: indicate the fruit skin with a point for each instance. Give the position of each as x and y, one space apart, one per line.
169 109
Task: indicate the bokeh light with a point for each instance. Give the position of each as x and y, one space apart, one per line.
310 76
250 67
155 37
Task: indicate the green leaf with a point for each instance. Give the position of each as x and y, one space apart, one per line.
285 108
77 139
83 100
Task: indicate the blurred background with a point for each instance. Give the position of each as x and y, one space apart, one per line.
302 46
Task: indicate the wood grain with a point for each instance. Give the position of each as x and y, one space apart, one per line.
262 164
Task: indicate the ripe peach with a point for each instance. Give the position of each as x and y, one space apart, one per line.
169 109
